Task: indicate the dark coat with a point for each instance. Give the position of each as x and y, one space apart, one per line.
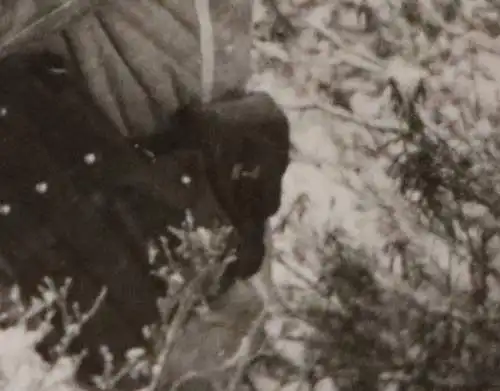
78 200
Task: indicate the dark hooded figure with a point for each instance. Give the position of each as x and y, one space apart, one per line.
95 142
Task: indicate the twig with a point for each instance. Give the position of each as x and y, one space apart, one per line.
49 23
388 125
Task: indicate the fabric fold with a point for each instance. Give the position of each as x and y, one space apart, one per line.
141 59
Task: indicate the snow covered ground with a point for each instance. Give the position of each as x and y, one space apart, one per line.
346 186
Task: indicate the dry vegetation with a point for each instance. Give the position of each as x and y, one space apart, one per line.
385 249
